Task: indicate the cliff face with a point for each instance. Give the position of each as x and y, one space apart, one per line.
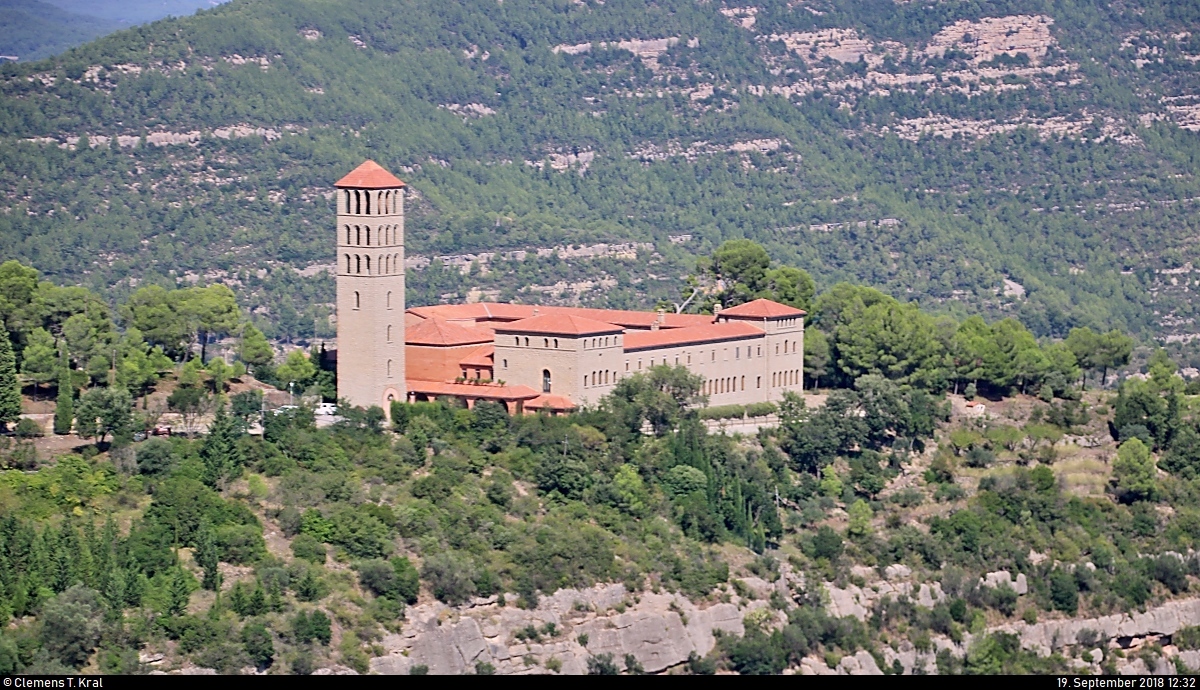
660 630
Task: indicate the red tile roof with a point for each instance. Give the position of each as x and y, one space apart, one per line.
500 311
674 337
441 333
482 357
550 402
558 324
369 175
484 391
763 309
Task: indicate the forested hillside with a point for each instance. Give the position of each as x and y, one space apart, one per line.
1025 158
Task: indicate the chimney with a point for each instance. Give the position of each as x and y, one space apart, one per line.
716 308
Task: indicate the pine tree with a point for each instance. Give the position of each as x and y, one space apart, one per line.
10 385
64 408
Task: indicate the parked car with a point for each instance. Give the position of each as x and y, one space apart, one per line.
284 409
139 436
161 430
327 409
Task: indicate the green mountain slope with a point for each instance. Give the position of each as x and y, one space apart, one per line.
1026 158
32 30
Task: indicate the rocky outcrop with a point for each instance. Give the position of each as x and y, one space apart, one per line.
660 630
1003 578
858 601
1049 636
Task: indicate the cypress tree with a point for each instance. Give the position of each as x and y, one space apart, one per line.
221 454
10 385
64 408
207 557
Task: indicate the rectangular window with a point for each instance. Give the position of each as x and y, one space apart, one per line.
737 353
505 362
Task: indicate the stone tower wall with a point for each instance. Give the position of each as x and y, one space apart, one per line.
370 296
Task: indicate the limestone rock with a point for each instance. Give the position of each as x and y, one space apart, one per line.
896 571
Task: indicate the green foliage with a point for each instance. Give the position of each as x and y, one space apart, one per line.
10 385
104 411
1135 472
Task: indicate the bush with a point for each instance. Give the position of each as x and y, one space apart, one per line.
450 576
1064 592
602 665
723 412
71 625
307 548
1187 638
259 645
761 409
27 428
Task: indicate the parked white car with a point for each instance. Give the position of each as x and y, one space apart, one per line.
326 409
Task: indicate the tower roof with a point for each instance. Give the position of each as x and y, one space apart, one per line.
763 309
369 175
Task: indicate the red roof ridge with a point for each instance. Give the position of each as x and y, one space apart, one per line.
559 324
763 309
369 175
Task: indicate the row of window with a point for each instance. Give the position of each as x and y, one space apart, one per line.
361 235
385 264
786 378
600 342
599 378
387 304
737 354
728 385
361 202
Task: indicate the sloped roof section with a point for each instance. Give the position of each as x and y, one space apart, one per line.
369 175
763 309
437 332
675 337
556 403
559 324
484 356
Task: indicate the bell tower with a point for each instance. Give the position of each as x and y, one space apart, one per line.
370 287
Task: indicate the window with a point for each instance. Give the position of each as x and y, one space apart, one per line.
526 341
357 300
626 365
368 235
357 263
556 343
368 195
639 364
758 382
545 342
349 266
785 345
504 363
743 383
389 368
389 333
517 341
714 355
545 380
760 350
689 358
368 265
776 348
737 353
389 299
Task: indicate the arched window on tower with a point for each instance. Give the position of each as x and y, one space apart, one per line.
368 265
349 268
368 235
346 201
389 299
347 234
368 196
545 380
389 333
357 263
357 300
357 234
357 203
389 369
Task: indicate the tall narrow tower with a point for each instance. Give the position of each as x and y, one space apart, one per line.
370 287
